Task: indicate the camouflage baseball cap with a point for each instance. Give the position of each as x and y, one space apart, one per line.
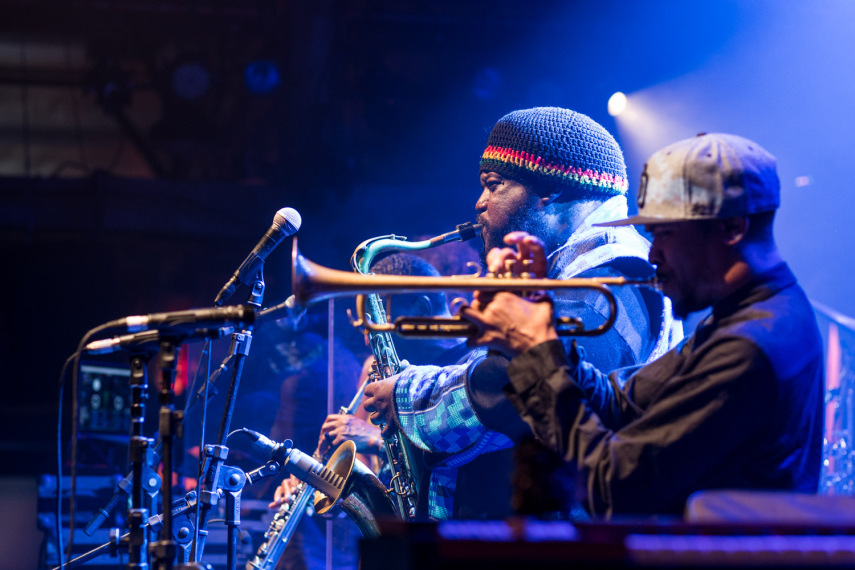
709 176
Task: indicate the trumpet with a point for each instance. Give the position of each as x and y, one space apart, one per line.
312 283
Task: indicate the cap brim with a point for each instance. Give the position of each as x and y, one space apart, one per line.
640 221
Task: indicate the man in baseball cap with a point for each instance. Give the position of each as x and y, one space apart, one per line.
738 405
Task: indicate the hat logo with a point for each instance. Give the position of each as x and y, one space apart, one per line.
642 190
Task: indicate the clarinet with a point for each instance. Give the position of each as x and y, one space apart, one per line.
281 529
399 451
288 516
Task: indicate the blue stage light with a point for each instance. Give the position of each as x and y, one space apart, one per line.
262 77
191 80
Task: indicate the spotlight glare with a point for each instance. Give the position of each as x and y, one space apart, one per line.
617 104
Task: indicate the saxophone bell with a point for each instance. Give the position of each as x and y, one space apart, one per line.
362 496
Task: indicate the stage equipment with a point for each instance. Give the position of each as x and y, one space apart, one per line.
312 283
286 222
345 481
192 323
365 488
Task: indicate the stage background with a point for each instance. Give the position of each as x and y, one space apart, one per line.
145 145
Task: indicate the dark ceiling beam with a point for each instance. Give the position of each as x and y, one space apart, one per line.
115 22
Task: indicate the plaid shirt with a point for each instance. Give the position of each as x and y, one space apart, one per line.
432 405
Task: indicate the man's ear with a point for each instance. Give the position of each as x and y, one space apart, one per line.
550 198
735 229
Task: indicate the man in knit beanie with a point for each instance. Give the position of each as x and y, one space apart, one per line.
552 173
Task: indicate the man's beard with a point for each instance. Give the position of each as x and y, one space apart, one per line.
525 219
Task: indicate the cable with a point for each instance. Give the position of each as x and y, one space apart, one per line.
239 430
72 496
58 521
200 468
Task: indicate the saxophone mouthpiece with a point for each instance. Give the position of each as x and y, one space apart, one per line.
464 232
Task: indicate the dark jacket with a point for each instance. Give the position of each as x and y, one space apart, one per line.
737 405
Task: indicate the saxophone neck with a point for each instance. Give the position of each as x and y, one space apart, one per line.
365 253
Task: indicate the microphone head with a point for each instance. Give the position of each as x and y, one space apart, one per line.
288 218
292 305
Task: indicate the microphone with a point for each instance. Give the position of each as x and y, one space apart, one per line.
286 222
187 322
263 444
141 339
288 309
297 463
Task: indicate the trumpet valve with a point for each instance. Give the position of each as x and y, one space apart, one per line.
509 269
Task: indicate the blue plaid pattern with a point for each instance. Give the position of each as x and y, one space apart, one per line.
433 409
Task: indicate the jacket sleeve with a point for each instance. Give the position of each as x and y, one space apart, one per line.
650 464
434 411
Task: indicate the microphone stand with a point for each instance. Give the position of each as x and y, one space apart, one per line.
181 508
163 550
232 481
150 479
217 476
142 458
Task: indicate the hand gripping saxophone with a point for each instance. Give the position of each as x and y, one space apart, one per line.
399 452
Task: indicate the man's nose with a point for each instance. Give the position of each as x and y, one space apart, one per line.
654 256
481 203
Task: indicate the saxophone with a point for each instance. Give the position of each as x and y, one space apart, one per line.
399 453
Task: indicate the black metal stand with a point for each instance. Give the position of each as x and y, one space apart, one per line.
217 476
219 480
164 549
142 457
182 508
150 482
181 515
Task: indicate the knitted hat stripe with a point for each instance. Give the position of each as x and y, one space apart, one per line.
603 181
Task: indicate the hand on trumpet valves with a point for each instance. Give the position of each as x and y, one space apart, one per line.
507 322
379 401
525 258
339 428
529 257
512 324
